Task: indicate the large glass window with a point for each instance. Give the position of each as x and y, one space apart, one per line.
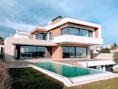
41 36
73 31
40 52
83 32
64 31
68 52
90 34
27 51
50 36
80 52
77 31
32 52
74 52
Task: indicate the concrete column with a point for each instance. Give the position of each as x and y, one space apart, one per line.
88 52
56 52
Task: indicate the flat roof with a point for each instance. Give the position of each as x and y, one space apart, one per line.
64 21
75 21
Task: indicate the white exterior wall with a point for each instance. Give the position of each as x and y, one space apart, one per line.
97 63
22 35
77 39
22 38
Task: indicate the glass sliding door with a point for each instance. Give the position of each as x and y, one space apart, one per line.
68 52
71 52
74 52
80 52
25 52
40 52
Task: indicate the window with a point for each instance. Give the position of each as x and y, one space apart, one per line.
32 52
80 52
74 52
83 32
41 36
90 33
64 31
76 31
40 52
73 31
50 36
27 51
68 52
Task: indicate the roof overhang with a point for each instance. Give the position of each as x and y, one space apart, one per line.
38 30
74 21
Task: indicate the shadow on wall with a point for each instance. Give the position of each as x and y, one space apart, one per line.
8 58
95 55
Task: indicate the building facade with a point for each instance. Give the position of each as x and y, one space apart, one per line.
62 38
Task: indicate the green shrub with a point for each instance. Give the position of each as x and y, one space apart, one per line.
105 50
5 80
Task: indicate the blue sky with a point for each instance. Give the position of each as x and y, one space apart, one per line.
28 14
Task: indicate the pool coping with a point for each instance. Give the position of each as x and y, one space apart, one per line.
73 81
69 81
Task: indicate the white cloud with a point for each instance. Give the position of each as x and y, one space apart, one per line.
28 14
17 25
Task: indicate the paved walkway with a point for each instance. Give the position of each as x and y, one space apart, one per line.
16 64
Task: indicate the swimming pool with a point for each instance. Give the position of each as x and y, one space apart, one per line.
65 70
71 75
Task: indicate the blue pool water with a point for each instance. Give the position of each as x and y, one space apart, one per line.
66 70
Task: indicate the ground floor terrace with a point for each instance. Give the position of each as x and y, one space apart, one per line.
21 49
23 52
105 65
26 51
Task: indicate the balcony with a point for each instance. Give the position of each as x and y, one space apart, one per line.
21 41
63 39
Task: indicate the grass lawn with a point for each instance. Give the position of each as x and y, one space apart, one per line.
28 78
104 84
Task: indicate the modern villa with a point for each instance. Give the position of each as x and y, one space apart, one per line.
62 39
63 50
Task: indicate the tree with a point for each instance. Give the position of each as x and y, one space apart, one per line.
1 41
114 46
105 50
